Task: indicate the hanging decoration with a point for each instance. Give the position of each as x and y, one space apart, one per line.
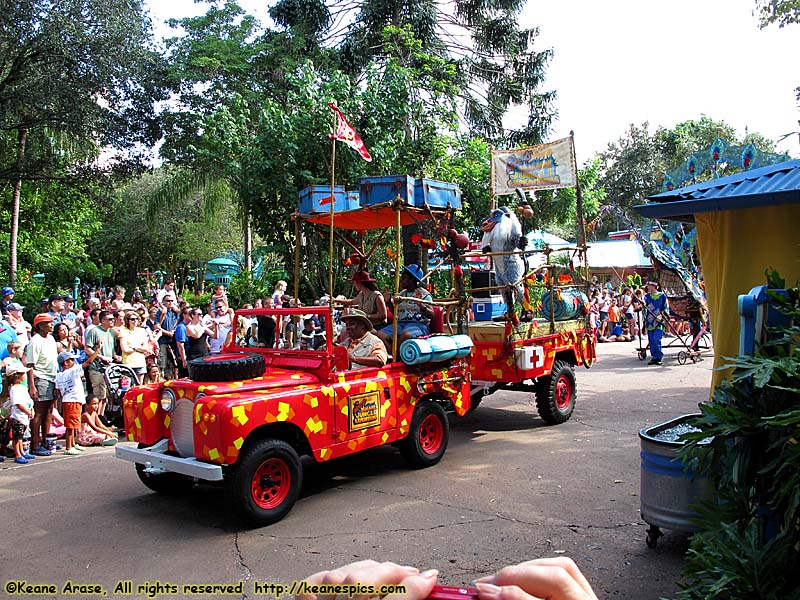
717 158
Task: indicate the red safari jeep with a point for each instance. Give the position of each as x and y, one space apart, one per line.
245 417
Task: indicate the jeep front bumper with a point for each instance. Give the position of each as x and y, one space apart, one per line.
155 461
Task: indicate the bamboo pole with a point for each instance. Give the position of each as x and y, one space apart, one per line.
399 241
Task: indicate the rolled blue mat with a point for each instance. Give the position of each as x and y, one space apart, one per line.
414 352
463 345
443 347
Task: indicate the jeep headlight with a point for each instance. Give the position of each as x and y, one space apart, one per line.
168 400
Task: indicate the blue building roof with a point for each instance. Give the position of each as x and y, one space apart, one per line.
765 186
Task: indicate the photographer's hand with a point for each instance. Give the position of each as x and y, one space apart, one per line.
551 578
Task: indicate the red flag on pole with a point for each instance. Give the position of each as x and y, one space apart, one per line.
346 133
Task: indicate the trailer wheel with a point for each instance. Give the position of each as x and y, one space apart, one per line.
265 482
555 394
428 436
167 484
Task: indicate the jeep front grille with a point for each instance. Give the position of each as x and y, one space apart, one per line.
182 427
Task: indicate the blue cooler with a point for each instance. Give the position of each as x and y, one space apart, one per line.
485 309
316 199
436 194
381 190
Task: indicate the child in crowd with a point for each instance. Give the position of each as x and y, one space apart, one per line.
21 410
69 384
15 353
92 431
153 374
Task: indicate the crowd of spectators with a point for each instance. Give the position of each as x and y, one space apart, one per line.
155 335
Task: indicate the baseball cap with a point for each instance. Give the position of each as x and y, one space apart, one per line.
64 357
54 297
6 291
15 306
68 298
16 367
42 318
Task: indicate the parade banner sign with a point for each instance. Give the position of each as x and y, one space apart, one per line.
542 167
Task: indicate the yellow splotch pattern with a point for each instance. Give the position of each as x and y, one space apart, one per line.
226 414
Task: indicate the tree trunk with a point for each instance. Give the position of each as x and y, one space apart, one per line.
248 241
22 136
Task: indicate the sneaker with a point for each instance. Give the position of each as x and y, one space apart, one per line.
41 451
21 460
28 455
72 452
79 448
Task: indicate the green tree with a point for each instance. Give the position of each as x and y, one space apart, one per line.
75 76
180 241
478 45
633 167
782 12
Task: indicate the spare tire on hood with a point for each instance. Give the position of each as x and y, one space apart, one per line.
233 366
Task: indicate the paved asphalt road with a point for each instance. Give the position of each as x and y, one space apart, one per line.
508 489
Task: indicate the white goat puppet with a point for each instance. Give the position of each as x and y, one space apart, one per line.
502 233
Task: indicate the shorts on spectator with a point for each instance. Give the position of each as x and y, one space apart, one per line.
45 389
99 388
603 316
17 430
71 411
166 358
413 328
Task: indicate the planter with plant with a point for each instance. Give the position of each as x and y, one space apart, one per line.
750 543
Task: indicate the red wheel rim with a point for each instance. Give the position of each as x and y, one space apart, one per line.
431 434
271 483
563 392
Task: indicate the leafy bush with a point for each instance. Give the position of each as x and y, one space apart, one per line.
749 544
245 289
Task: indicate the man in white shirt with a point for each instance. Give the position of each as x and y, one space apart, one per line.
41 356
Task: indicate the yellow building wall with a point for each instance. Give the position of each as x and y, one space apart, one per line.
735 248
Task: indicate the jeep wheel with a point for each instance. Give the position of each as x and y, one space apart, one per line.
555 394
167 484
265 482
428 436
233 366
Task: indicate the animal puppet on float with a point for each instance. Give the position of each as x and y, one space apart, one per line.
502 232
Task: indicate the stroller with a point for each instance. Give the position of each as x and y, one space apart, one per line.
118 379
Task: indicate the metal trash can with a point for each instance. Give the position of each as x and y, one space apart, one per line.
667 488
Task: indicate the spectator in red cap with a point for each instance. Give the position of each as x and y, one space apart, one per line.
42 356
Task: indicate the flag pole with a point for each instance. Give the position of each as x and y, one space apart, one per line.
333 206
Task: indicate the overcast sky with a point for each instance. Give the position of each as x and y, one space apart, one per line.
630 61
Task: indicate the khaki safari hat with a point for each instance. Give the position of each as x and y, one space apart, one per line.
360 315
